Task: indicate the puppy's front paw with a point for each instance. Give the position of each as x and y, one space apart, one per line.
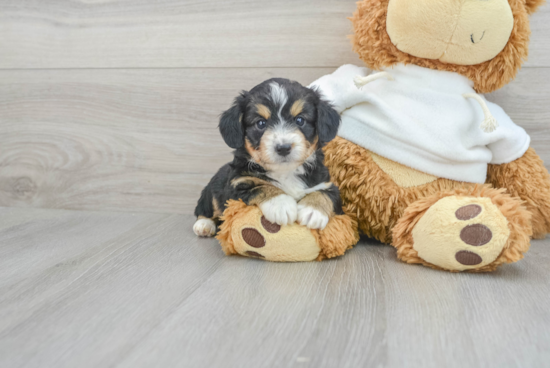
312 218
204 228
281 210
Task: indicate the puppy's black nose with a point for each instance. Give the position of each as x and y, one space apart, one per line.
283 149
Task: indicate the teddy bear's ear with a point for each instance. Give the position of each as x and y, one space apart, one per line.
533 5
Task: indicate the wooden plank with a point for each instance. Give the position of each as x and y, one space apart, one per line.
134 290
526 101
187 33
147 140
117 139
79 280
175 33
539 49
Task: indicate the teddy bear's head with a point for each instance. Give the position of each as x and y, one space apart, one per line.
484 40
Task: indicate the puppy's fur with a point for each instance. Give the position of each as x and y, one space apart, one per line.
278 130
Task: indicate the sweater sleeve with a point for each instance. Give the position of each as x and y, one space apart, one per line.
339 88
509 141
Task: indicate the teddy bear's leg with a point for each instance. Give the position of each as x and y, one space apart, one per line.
469 229
246 232
528 179
375 197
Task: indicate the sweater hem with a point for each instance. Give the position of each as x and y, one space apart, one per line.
410 156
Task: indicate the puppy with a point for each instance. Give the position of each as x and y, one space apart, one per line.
278 130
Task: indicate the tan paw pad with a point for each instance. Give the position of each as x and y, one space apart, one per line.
257 237
461 233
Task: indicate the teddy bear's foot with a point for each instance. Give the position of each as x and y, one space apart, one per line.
246 231
473 229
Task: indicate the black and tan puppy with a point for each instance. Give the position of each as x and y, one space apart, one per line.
278 130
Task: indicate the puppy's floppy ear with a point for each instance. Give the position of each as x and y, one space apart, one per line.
328 121
231 125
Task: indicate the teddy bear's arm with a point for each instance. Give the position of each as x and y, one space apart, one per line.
528 179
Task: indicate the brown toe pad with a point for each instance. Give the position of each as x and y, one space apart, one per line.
468 258
476 235
468 212
253 238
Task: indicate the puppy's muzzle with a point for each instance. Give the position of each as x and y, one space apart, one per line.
283 150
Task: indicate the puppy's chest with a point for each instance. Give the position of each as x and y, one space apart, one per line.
290 183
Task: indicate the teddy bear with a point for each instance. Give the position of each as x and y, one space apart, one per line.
245 231
423 161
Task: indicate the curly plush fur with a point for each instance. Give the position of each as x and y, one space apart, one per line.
377 202
517 215
369 194
528 179
372 42
334 240
388 212
533 5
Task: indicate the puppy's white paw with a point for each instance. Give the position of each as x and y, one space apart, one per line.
312 218
205 228
281 210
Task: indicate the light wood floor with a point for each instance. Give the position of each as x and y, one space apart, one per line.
108 132
101 289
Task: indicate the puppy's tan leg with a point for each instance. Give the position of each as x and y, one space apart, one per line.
204 227
207 227
315 210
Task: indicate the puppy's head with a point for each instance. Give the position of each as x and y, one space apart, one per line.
280 123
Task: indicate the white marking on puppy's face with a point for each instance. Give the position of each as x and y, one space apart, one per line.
278 95
283 134
281 144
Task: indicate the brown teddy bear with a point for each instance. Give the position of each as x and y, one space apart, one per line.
422 161
466 197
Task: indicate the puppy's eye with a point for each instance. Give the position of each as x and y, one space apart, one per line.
261 124
300 121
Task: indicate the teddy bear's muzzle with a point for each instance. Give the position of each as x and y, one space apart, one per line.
463 32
